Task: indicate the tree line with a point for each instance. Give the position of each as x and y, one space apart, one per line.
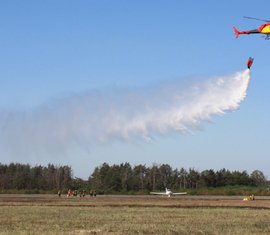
25 177
125 178
122 178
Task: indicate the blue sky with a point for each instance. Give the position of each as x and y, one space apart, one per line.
51 49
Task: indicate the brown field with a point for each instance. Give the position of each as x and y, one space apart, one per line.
135 201
48 214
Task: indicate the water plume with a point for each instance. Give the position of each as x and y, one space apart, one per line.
124 114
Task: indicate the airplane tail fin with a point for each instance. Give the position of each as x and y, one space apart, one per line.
236 32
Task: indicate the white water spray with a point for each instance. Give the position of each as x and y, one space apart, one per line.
88 118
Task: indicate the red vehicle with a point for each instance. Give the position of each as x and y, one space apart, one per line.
263 29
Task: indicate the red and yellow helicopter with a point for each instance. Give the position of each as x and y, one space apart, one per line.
263 29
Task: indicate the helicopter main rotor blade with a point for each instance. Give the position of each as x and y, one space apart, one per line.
252 18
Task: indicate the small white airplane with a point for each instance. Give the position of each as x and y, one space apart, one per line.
168 193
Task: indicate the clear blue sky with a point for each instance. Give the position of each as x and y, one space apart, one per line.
53 48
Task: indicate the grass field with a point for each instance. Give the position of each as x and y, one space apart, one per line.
47 214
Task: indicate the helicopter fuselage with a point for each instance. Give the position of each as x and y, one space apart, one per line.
265 28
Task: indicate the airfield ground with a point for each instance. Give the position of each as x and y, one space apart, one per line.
48 214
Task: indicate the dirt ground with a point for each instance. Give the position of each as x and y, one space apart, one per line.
135 201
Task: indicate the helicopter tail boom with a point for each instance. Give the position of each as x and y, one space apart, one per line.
237 33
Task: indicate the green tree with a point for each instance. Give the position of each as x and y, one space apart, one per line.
139 179
258 178
209 178
182 177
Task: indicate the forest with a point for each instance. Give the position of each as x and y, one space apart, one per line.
121 178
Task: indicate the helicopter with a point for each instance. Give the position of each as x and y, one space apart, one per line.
263 29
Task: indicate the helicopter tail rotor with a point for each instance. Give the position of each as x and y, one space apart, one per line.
236 32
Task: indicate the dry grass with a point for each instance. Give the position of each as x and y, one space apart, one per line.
132 215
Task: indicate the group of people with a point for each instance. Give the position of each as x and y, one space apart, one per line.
75 193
